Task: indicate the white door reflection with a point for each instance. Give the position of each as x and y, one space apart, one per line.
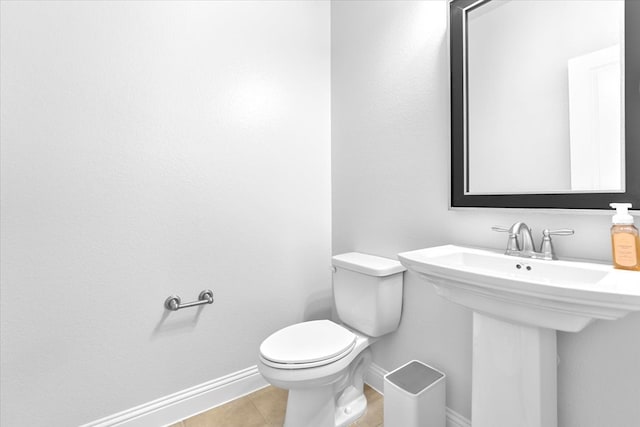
595 120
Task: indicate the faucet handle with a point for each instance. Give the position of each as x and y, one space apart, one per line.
559 232
546 248
512 244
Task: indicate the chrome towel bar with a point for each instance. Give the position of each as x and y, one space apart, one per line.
173 303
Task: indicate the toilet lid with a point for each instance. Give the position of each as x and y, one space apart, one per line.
308 343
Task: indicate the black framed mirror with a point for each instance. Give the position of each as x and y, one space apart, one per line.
517 82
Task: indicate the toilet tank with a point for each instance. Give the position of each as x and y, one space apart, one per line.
367 291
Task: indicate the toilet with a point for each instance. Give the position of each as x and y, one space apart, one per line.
323 363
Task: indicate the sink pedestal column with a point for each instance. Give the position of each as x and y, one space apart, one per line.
514 374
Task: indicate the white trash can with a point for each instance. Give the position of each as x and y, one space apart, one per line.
414 396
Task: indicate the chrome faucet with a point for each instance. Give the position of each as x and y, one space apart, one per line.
521 244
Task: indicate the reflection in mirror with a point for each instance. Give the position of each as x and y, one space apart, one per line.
539 94
544 93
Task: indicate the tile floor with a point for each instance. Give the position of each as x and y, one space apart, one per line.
265 408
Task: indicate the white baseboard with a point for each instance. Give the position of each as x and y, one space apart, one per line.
454 419
375 378
183 404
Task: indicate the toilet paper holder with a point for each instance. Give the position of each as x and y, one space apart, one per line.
174 303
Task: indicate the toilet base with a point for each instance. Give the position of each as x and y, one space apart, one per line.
316 407
313 407
352 409
333 405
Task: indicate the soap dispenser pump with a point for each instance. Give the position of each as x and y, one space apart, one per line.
624 238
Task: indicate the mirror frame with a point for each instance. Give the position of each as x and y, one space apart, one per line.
587 200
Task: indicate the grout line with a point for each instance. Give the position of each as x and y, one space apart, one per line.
264 419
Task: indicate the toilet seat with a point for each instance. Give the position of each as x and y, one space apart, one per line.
307 345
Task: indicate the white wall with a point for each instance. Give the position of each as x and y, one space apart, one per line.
390 157
150 149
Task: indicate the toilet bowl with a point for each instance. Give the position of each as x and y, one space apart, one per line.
323 363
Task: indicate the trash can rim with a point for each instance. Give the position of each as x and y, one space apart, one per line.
415 395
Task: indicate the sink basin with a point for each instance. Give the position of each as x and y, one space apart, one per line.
560 295
518 304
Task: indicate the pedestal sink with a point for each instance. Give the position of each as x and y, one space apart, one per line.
518 305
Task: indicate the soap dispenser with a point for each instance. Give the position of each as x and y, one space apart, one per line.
624 239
